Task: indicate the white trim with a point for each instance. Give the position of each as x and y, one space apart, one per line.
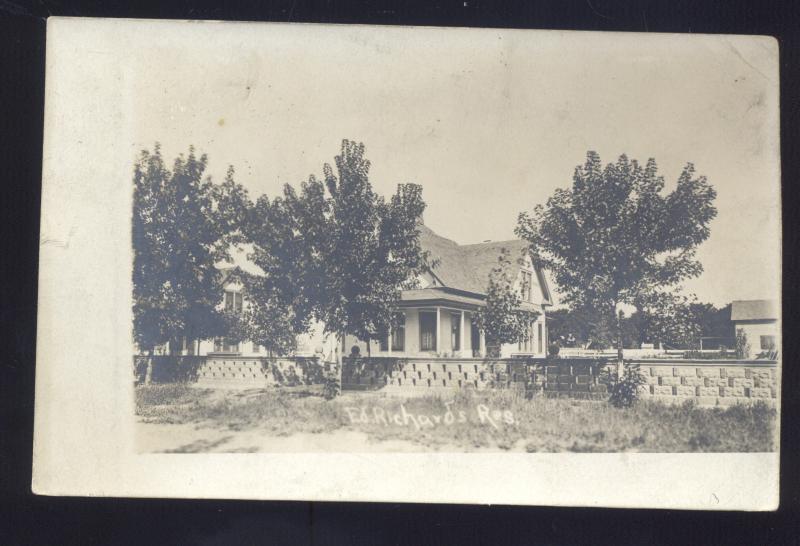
462 341
438 328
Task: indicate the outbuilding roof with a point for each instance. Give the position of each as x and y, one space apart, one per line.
754 310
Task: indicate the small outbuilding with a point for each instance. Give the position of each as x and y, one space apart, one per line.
758 319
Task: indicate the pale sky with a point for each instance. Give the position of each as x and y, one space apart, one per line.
489 122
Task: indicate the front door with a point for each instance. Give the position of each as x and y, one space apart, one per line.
475 341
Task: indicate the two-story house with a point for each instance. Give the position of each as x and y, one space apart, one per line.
435 319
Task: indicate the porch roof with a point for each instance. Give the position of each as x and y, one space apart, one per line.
439 296
445 296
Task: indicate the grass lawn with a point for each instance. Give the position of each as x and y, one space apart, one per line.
463 421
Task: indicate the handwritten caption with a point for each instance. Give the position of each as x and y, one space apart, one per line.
380 416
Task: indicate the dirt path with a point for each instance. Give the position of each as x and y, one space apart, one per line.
190 438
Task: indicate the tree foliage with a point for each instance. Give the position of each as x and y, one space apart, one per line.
669 319
674 321
615 235
181 228
335 251
580 327
502 320
287 234
371 250
742 344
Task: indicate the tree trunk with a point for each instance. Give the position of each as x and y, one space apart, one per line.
620 361
340 362
148 374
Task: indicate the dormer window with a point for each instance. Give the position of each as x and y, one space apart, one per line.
233 301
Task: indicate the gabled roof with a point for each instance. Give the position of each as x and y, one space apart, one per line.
467 267
231 273
754 310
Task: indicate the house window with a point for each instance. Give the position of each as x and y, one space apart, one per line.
539 331
529 340
233 301
525 344
526 286
455 331
399 334
222 345
767 343
427 331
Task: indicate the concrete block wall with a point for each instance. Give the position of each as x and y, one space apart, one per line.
231 371
573 377
167 368
719 383
432 373
255 372
709 383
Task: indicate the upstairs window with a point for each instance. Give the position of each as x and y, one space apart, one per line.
526 286
233 301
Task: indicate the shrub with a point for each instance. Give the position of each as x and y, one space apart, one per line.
742 345
331 388
624 391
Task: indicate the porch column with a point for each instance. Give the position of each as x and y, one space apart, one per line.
462 338
389 342
483 343
438 329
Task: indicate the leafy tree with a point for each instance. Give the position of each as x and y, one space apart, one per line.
370 249
669 319
714 322
580 327
615 235
182 225
289 235
502 320
335 251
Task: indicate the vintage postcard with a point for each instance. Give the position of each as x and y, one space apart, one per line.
406 264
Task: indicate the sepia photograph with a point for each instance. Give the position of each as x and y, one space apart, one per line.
451 264
340 239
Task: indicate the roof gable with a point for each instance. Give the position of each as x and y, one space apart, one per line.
754 310
467 267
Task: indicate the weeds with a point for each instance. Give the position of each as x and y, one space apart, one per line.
536 425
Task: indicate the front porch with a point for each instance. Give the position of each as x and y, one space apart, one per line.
427 331
440 323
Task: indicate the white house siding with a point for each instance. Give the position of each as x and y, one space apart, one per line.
755 329
509 349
